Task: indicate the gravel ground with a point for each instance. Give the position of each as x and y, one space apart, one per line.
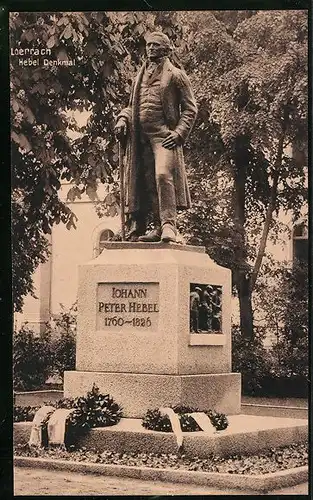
275 460
28 481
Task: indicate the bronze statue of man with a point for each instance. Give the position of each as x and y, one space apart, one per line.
155 125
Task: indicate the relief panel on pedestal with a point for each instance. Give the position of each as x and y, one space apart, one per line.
205 314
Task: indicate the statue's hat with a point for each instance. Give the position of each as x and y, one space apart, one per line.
159 37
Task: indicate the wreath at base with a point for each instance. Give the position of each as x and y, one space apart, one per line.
91 410
154 420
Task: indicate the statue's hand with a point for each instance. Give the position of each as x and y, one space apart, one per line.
172 140
121 129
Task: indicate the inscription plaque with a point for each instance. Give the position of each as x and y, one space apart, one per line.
128 306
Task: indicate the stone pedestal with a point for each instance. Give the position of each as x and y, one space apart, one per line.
133 337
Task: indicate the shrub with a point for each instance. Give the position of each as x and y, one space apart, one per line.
32 359
251 359
155 421
297 307
63 333
24 413
64 353
288 360
37 357
281 371
283 299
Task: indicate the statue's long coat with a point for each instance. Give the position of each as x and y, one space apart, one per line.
180 111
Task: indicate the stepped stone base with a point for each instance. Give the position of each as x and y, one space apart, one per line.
245 435
137 393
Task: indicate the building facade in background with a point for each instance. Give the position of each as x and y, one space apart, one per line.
56 280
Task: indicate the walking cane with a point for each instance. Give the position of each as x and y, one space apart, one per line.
122 197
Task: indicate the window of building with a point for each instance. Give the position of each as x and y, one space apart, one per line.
300 243
299 231
105 235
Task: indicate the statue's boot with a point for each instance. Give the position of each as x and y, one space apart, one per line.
152 236
168 233
137 229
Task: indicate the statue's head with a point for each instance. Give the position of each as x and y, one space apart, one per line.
157 45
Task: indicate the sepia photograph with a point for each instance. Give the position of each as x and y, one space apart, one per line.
159 221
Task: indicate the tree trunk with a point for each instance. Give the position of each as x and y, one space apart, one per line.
244 283
272 200
241 279
245 307
269 215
